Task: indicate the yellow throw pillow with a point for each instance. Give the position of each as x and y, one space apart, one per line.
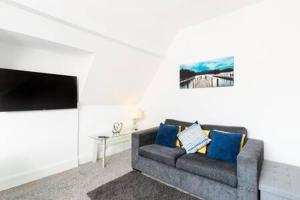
178 143
242 141
204 149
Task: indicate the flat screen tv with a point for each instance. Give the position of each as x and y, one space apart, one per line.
24 91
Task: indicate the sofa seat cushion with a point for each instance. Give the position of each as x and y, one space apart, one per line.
213 169
166 155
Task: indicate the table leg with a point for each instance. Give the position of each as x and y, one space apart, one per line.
95 152
103 151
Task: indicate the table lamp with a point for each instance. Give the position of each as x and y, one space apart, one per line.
135 116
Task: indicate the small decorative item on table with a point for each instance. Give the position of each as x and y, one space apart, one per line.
117 128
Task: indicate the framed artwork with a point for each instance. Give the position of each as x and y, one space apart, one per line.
210 73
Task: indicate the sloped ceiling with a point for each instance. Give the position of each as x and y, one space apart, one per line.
139 31
149 25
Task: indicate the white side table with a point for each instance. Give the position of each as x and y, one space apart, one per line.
101 138
279 181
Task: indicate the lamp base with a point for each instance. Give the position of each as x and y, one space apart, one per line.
134 125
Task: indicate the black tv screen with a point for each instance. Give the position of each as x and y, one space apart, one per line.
24 90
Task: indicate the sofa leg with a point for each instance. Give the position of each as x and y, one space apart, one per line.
248 195
136 170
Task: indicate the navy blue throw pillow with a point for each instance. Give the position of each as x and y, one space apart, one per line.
224 146
167 135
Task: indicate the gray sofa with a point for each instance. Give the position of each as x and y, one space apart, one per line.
197 174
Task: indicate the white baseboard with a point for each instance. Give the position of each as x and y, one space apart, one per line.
26 177
85 158
112 148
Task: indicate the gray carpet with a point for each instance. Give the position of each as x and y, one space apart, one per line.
73 184
136 186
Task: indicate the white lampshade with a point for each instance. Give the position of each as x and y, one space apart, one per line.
137 114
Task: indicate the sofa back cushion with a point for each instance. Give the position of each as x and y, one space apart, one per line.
234 129
183 124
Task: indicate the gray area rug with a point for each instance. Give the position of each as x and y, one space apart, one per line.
136 186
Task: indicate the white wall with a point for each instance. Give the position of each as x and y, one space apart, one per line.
264 38
29 41
34 144
109 82
98 120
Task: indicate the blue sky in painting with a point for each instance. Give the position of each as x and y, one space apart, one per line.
220 64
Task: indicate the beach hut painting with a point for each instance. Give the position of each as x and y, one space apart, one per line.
211 73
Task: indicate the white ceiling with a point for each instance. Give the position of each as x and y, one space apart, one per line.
12 38
146 24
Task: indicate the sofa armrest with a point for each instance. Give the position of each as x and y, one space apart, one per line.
141 138
249 164
144 137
